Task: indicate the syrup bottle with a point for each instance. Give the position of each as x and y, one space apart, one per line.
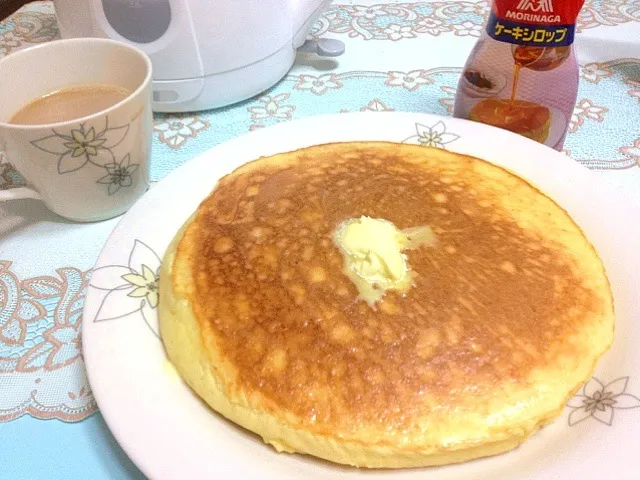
522 74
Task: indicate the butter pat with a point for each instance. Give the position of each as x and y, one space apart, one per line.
375 247
373 259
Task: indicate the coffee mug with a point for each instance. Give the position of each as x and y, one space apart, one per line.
90 168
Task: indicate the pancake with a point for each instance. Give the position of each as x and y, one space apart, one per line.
525 118
508 312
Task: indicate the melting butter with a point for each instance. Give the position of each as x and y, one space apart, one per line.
373 259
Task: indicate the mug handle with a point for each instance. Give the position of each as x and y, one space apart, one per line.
16 193
19 193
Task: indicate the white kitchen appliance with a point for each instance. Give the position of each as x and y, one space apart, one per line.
205 53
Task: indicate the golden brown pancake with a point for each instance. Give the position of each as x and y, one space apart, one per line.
508 314
526 118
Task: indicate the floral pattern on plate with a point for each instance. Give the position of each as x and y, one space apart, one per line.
432 136
599 401
132 288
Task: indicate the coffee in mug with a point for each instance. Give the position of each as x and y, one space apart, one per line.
69 103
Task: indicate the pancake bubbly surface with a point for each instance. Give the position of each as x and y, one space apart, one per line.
509 310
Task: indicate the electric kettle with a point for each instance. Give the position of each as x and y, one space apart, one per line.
205 53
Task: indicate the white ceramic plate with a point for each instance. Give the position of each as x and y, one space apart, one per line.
170 434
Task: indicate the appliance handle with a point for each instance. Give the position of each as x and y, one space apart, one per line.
164 30
151 25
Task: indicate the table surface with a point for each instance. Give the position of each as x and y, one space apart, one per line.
400 56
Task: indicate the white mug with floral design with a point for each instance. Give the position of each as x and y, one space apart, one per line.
90 168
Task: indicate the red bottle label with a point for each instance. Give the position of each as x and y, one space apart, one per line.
542 23
541 12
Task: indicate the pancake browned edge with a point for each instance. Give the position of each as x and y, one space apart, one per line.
508 315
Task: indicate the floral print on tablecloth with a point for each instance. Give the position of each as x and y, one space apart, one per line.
40 328
607 99
40 316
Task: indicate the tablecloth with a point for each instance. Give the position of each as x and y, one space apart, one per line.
404 56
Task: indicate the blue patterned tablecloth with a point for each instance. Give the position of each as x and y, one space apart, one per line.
400 56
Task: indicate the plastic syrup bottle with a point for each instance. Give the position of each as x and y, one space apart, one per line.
522 75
